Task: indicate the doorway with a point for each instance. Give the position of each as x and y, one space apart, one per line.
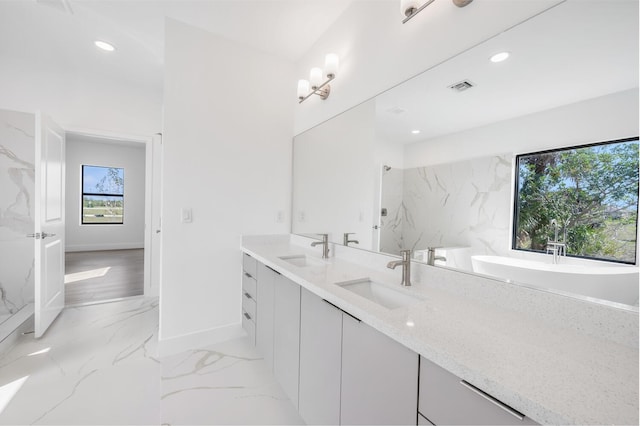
103 275
108 201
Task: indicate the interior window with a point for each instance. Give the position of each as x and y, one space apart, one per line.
102 195
583 200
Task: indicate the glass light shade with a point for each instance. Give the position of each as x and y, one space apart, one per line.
407 5
331 62
303 88
315 77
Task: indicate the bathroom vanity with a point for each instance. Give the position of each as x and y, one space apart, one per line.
349 345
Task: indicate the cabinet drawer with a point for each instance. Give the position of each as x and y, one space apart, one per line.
249 326
249 264
249 285
249 305
445 399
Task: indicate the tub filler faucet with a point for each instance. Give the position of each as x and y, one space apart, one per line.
555 247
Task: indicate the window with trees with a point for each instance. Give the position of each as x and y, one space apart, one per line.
583 198
102 195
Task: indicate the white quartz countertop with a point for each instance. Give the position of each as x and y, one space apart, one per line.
552 374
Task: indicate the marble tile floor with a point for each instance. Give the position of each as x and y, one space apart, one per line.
97 365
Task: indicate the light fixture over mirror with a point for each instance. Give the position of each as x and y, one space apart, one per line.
318 83
410 8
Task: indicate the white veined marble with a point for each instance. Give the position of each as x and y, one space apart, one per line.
97 365
224 384
17 188
462 204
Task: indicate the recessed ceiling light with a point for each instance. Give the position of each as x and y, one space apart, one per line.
499 57
105 46
415 132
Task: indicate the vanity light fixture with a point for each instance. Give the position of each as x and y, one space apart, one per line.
318 83
415 132
410 8
104 45
499 57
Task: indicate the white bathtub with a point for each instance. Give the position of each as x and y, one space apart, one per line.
613 283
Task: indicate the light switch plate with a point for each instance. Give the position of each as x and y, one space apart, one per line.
185 215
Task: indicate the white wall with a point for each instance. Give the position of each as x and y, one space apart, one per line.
378 52
83 150
227 156
81 101
608 117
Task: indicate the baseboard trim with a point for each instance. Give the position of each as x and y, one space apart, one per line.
199 339
13 327
100 247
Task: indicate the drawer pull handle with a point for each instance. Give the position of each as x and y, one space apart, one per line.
269 267
247 295
246 315
518 415
248 275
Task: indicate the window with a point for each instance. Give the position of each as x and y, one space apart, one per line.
583 197
102 195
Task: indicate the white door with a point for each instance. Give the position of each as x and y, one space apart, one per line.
49 210
155 250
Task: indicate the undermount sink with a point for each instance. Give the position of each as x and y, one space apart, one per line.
301 260
381 294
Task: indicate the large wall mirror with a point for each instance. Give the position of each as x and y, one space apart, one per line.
432 162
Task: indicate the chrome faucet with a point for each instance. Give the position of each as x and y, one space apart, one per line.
555 247
325 245
406 266
346 239
431 256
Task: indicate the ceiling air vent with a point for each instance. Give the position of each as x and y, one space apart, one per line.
462 86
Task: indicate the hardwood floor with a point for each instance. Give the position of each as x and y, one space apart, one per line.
95 276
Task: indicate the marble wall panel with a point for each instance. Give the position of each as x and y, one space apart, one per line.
17 188
461 204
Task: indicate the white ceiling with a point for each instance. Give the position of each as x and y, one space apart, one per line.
575 51
56 36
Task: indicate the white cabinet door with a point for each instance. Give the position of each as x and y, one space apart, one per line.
320 360
379 377
286 339
446 399
264 315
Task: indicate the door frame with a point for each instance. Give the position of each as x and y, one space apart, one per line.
152 196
